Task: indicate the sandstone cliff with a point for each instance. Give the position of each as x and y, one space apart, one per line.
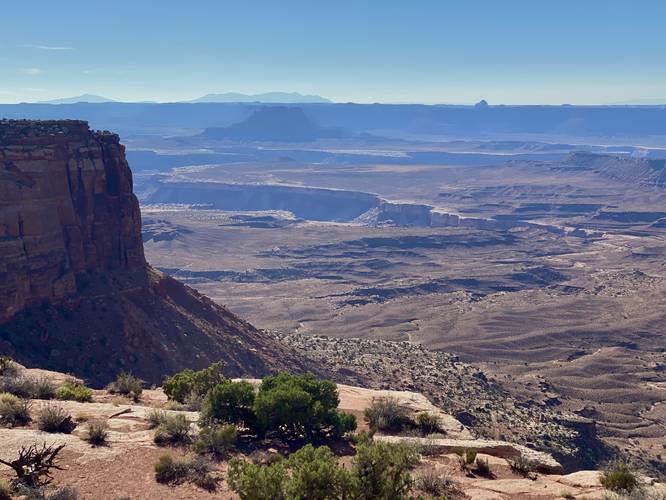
75 291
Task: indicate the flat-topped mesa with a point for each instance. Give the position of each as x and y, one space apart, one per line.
66 207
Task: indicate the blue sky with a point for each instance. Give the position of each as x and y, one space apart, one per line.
506 51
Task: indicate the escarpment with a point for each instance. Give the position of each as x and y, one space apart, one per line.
76 293
66 207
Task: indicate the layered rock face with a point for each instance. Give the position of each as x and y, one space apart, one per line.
66 207
76 293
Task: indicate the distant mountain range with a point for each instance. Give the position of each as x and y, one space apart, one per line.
269 97
81 98
228 97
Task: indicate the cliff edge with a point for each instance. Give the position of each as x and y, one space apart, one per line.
76 293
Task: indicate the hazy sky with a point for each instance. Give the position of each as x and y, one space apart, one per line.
439 51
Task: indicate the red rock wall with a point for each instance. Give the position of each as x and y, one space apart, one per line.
66 207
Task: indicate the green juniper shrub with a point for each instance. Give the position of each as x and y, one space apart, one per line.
216 440
342 423
316 475
381 470
175 429
428 423
197 470
74 390
190 383
619 478
258 482
54 419
299 406
127 385
387 415
97 433
14 411
229 402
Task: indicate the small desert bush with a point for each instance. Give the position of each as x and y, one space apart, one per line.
217 441
97 433
193 384
155 418
7 367
521 466
619 477
18 385
436 484
54 419
127 385
197 470
74 390
428 423
175 429
388 415
483 467
63 493
14 411
43 388
466 458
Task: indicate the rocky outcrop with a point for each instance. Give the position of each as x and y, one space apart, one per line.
66 207
76 293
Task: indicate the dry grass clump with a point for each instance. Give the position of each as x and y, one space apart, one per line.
97 433
173 471
127 385
54 419
174 430
14 411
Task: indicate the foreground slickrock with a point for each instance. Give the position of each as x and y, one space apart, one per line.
76 293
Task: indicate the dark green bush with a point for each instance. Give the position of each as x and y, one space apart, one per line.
229 402
14 411
189 383
299 406
310 473
619 478
316 475
257 482
217 441
74 390
174 429
127 385
521 466
387 415
197 470
54 419
381 470
483 467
